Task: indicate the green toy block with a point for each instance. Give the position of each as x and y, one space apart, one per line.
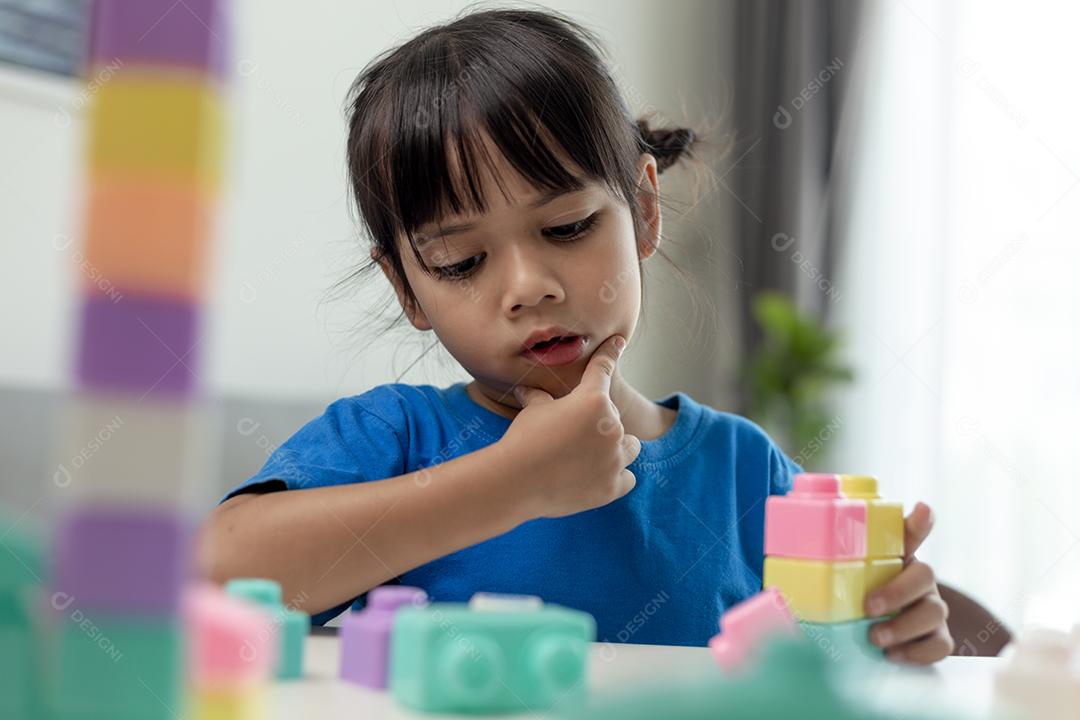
846 641
118 669
292 625
21 573
19 669
261 590
448 658
294 628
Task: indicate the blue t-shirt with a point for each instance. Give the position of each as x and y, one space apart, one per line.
658 565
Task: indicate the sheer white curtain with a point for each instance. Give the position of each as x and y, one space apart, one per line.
961 298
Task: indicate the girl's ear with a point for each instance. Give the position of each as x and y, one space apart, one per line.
413 312
648 197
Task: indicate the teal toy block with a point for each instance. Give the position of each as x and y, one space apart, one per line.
260 590
294 628
21 576
291 625
117 668
844 641
447 657
19 669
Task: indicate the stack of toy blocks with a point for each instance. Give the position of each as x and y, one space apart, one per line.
825 551
513 656
365 634
231 657
130 449
289 626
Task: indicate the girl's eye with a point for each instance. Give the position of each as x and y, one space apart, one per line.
562 233
459 270
572 231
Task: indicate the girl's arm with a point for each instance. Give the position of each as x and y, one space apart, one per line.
327 545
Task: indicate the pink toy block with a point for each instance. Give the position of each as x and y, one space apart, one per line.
744 626
815 522
232 642
365 634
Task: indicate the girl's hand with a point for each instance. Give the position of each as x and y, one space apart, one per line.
918 634
572 452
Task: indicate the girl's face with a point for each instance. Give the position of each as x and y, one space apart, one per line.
529 263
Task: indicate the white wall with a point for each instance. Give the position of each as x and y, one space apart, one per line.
286 232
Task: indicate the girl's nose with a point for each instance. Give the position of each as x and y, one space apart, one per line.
529 281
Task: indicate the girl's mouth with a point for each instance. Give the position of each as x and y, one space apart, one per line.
557 351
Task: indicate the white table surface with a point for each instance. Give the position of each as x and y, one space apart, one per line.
963 684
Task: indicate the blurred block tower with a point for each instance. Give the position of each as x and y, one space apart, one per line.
828 542
131 445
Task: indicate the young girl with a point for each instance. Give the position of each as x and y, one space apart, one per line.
511 200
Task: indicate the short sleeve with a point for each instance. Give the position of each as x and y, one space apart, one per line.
782 470
348 443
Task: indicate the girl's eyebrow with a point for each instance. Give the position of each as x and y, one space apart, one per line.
424 238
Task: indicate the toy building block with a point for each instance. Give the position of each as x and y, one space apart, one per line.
153 33
292 625
21 570
448 658
884 518
164 126
365 634
122 560
109 666
148 237
844 641
263 591
485 601
1039 678
818 590
231 654
746 625
134 345
145 454
230 645
880 571
815 522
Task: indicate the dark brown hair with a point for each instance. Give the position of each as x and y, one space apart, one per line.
533 81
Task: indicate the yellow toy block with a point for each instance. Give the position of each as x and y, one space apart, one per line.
819 591
163 124
241 703
880 571
884 518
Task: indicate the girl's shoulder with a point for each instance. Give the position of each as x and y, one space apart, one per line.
746 443
393 400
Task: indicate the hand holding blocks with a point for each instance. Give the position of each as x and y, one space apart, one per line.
830 541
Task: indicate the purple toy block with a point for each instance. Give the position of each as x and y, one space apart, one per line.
189 34
139 343
365 634
815 522
121 560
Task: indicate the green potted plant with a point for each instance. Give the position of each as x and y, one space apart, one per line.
791 377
